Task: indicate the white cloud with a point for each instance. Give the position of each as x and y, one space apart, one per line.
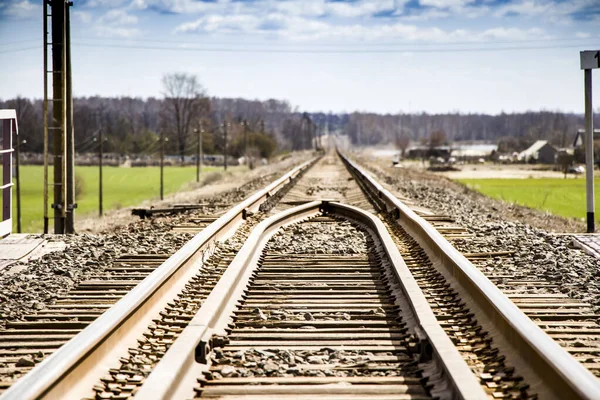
360 8
320 8
300 8
117 23
106 3
445 3
221 24
548 9
582 35
528 8
83 16
515 33
118 17
428 14
307 29
179 6
438 9
22 9
114 31
326 19
309 8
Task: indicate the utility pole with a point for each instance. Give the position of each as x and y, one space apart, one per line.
199 131
589 151
225 125
69 133
310 138
589 60
321 136
18 179
245 124
59 112
163 139
45 106
60 123
100 161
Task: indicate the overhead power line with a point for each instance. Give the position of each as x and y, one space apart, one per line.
393 49
22 49
356 44
13 42
320 51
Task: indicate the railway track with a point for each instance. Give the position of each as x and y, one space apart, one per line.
26 343
308 320
258 318
364 339
571 322
23 342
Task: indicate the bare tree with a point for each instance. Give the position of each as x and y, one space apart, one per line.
29 123
402 141
437 138
185 99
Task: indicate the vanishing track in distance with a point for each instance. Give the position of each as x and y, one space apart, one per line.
328 306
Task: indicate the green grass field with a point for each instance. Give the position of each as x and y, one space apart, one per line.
564 197
122 187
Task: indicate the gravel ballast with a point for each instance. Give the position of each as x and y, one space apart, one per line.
41 281
340 238
498 226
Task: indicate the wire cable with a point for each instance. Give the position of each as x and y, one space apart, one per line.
22 49
394 50
376 44
12 43
317 51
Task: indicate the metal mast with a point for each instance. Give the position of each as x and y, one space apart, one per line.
59 128
45 7
70 132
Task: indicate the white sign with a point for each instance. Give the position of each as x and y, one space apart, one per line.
590 59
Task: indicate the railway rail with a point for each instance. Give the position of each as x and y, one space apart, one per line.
404 315
367 326
129 291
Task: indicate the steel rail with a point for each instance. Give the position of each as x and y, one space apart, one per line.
552 371
75 367
179 368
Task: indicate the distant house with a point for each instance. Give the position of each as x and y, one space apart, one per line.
541 151
473 151
426 152
580 135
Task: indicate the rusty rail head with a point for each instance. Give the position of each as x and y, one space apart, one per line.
539 355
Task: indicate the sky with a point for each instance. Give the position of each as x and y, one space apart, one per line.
385 56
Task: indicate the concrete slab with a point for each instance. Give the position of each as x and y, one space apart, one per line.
15 247
25 247
590 243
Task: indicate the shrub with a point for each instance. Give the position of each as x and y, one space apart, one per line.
212 177
79 186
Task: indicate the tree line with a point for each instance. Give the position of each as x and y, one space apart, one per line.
133 126
512 132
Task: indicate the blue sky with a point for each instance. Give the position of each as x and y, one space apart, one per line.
378 55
